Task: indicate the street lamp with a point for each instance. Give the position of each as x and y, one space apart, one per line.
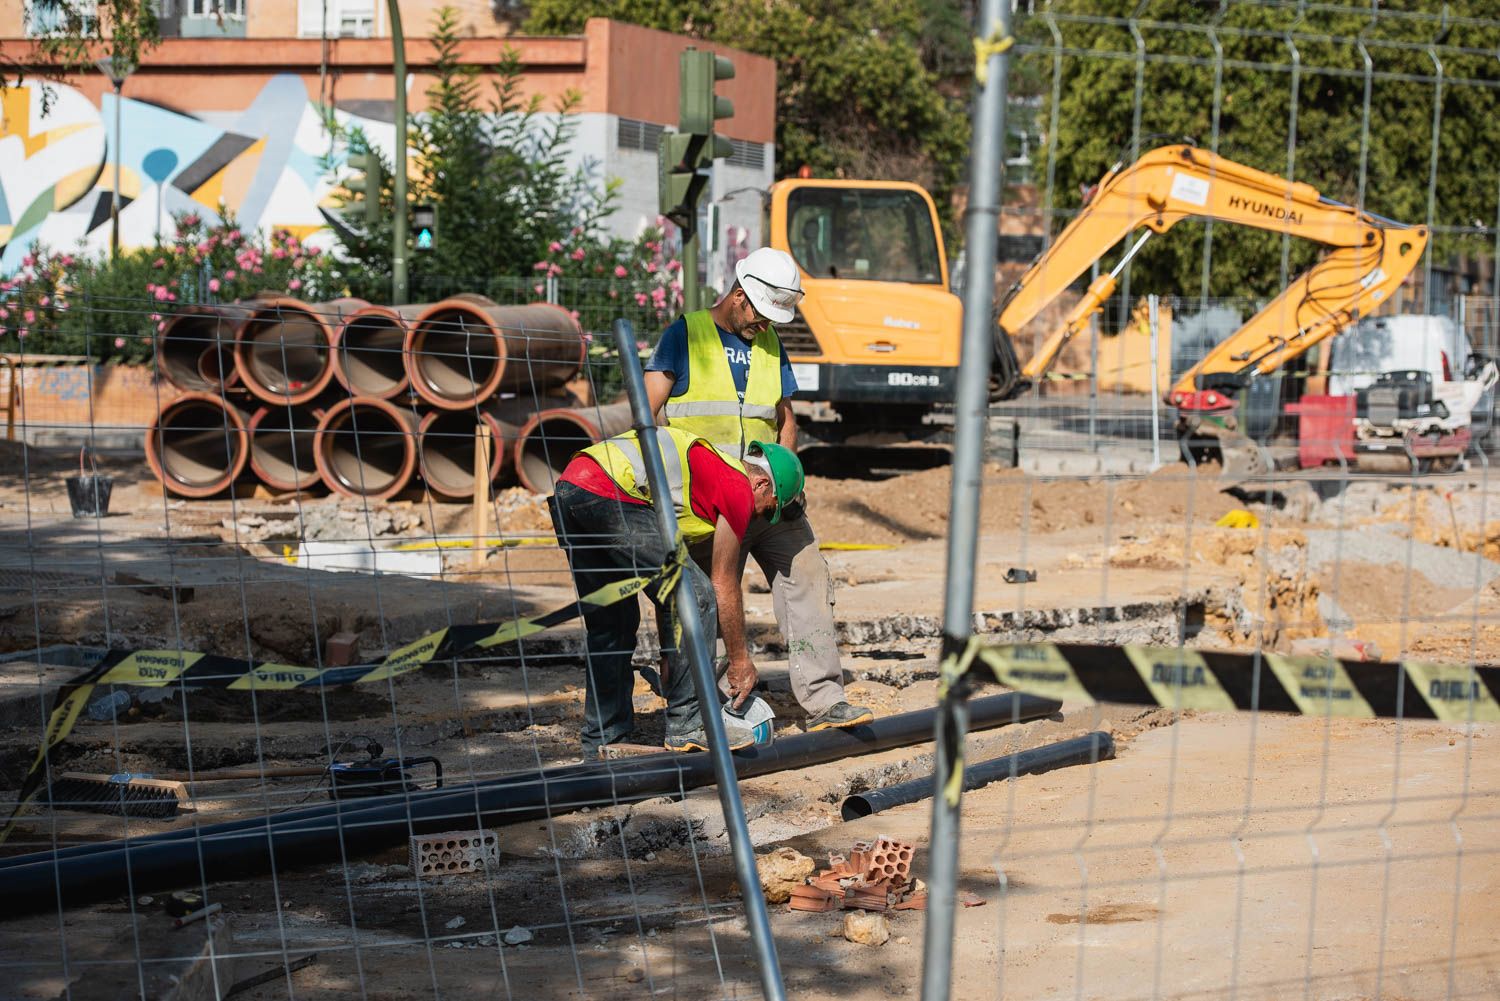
117 68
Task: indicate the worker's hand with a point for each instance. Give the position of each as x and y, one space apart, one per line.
742 677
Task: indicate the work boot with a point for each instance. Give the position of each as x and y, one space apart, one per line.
840 715
697 740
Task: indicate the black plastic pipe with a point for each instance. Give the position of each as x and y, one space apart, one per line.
212 853
1085 750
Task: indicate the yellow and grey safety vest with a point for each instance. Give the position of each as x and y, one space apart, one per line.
711 407
621 459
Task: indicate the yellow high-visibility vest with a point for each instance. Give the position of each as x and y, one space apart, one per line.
711 407
620 458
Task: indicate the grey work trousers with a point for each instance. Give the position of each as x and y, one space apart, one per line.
802 598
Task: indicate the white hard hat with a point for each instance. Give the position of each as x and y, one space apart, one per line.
772 282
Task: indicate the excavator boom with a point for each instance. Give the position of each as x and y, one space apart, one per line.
1371 258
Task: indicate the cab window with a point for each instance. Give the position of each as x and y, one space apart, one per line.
864 234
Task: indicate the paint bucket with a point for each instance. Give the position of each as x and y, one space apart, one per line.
88 493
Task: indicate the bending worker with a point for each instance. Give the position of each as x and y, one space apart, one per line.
721 373
604 519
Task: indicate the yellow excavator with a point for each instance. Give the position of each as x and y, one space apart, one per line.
1371 256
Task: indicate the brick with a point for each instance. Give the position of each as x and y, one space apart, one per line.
454 853
341 650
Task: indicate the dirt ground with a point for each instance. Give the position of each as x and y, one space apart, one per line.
1215 856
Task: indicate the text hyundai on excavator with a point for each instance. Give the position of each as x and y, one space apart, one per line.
1371 256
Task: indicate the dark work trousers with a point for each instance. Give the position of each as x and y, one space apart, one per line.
607 541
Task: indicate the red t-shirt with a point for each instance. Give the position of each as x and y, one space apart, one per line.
716 489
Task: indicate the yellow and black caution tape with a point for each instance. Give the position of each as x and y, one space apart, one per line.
1179 678
160 668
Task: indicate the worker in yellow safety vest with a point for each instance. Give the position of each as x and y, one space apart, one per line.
721 373
604 520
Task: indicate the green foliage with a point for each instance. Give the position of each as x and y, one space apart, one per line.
858 91
493 165
109 309
80 30
1388 162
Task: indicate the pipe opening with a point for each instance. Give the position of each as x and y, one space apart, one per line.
370 356
366 451
199 444
454 355
196 352
287 351
546 449
282 447
447 444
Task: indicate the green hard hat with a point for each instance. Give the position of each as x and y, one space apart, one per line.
786 473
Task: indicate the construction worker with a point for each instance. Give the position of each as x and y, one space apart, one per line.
721 373
604 520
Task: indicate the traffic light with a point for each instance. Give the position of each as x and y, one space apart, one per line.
684 156
424 227
365 181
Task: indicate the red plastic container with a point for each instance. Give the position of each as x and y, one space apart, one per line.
1325 430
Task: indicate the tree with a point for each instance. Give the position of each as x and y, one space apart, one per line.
859 88
1251 119
73 33
496 169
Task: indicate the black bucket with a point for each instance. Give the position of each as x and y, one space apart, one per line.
88 493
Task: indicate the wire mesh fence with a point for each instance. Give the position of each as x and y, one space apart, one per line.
287 607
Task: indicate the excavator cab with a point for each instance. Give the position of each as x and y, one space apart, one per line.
877 333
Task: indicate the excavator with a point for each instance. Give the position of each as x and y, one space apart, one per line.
1369 259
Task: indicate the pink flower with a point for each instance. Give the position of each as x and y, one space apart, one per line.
160 262
119 342
21 333
213 284
554 270
44 301
28 261
299 262
161 325
29 316
234 234
620 271
539 266
575 231
257 270
229 275
294 284
577 254
537 289
640 298
67 260
613 294
161 293
171 297
312 251
205 247
555 247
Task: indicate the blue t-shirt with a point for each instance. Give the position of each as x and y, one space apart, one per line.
671 357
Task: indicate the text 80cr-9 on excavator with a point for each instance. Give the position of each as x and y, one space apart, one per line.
1370 257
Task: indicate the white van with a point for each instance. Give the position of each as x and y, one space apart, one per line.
1433 344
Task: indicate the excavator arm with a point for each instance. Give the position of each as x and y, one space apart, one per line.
1371 257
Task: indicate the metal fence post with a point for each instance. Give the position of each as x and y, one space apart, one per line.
704 683
970 420
1153 306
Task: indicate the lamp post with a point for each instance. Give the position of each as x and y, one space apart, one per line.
399 286
117 69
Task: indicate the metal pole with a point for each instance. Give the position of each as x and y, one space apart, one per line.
399 285
114 200
971 421
704 683
1153 305
690 292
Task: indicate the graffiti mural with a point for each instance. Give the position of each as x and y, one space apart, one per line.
264 164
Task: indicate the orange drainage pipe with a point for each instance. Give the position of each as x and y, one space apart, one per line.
366 447
195 351
197 446
369 356
283 443
460 351
548 440
283 349
445 450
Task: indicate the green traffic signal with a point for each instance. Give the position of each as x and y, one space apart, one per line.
365 182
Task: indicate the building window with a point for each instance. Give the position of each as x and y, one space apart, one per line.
747 154
214 8
336 18
43 19
634 134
